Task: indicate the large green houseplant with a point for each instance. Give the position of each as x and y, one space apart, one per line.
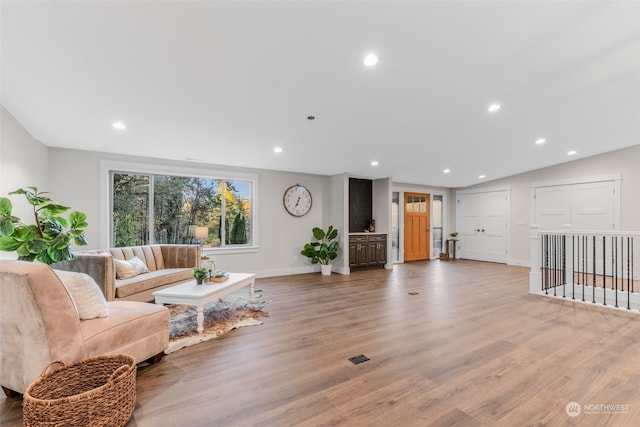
46 240
325 249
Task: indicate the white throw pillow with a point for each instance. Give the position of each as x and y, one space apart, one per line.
130 268
85 293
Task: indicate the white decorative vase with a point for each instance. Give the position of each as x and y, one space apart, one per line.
325 269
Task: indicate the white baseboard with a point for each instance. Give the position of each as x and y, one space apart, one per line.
519 262
634 299
297 270
286 271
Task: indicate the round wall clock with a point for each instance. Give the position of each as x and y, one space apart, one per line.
297 200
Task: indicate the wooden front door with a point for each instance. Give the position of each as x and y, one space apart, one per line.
416 226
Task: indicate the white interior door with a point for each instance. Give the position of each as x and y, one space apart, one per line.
588 206
592 206
580 207
553 207
495 226
469 224
482 222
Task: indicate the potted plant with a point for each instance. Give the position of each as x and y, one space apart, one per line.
200 273
453 235
324 250
46 240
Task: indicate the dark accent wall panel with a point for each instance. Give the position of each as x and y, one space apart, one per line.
360 204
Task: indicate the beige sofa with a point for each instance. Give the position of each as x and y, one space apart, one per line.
168 265
40 323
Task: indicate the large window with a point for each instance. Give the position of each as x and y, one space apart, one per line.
153 209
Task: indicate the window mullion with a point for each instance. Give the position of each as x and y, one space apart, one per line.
223 213
152 210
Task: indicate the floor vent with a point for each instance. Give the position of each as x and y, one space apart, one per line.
414 293
358 359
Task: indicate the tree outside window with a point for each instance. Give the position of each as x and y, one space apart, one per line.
172 207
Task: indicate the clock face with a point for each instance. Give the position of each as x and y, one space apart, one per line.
297 200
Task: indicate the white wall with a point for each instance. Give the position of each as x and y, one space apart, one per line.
337 208
626 162
23 163
75 176
382 197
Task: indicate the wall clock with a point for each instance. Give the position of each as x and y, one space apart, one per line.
297 200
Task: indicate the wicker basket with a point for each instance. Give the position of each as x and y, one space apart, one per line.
99 391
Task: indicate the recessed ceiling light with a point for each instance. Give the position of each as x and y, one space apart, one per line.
277 149
119 125
494 107
571 153
540 141
446 171
483 176
370 60
374 163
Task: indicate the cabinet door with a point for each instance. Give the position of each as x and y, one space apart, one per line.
358 251
377 250
373 253
382 251
353 256
362 257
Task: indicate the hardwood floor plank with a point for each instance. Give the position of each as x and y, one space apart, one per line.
455 418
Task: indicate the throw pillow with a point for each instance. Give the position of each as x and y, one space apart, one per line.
130 268
85 293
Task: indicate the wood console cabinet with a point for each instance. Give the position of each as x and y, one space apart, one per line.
367 250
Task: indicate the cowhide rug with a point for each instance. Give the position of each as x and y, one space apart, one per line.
233 311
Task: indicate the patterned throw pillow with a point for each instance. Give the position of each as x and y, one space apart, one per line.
130 268
85 294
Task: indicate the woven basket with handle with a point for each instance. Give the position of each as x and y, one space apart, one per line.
99 391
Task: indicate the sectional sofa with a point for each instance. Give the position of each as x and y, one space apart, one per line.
133 273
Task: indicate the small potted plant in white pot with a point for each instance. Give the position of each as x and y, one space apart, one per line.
324 250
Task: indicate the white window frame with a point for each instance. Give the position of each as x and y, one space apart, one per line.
106 201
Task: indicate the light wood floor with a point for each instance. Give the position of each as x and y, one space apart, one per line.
471 349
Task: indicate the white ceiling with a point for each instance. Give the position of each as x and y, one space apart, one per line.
226 82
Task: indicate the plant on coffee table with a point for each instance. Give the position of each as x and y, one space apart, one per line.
200 273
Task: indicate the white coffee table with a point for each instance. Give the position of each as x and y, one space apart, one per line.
189 293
